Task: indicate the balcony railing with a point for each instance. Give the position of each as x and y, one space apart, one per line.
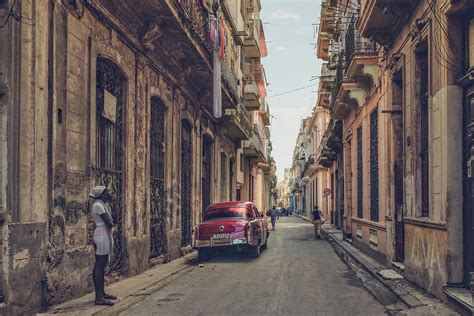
354 43
194 12
231 80
339 77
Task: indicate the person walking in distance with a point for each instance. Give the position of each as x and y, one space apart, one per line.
102 242
273 215
317 222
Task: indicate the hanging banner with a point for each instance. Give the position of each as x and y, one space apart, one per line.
217 86
215 34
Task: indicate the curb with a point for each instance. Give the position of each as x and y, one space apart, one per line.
137 297
303 217
84 305
411 301
361 262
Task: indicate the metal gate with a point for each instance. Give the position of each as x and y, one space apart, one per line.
374 166
206 173
399 225
157 177
186 176
110 97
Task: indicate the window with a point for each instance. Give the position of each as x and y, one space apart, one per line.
241 162
223 177
228 212
422 94
360 183
374 167
157 135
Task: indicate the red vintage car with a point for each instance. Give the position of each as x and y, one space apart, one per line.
232 224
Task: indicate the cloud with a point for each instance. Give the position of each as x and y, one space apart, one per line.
285 15
282 49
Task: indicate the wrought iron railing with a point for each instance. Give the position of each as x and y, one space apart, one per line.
197 16
231 80
339 77
242 116
354 43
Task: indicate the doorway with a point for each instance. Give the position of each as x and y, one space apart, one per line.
399 162
206 172
110 101
157 178
186 183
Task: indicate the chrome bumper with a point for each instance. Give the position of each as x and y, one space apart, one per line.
219 243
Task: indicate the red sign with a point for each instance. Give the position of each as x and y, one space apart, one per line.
327 192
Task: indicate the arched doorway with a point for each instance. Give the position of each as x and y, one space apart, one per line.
110 98
186 182
157 178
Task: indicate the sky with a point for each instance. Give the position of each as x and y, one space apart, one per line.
290 64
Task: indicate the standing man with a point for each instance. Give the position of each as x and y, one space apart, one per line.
317 222
273 216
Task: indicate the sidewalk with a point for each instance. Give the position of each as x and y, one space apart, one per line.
411 300
130 290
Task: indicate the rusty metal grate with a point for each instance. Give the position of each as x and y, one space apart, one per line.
374 167
110 102
186 182
157 176
360 182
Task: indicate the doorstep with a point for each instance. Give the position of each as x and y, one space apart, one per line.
461 296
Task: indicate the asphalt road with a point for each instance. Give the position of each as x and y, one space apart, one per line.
296 275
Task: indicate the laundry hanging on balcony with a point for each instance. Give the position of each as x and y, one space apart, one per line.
218 38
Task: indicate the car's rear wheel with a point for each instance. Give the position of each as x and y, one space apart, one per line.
254 251
203 254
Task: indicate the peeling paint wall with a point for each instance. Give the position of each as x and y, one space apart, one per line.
426 257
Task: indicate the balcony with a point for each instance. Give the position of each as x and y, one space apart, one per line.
326 82
265 114
356 74
326 28
251 96
231 82
253 147
237 123
252 40
382 20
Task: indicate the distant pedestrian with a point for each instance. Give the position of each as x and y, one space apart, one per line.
273 215
102 242
317 217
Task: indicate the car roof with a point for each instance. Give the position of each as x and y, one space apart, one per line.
230 204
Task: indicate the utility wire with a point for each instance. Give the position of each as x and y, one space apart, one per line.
291 91
10 13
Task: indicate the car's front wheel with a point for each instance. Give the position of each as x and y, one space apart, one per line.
254 251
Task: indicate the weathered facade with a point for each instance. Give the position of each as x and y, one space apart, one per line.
120 94
398 147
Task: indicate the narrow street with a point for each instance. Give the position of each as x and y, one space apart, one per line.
296 275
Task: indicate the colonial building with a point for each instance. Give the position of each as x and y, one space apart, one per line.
424 86
399 144
119 94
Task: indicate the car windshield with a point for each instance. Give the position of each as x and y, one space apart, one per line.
227 212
